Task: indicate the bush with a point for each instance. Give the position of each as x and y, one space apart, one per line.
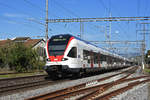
147 70
20 58
3 57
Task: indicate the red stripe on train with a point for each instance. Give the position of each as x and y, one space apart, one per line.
68 43
59 57
47 49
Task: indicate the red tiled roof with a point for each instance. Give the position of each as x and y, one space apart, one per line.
32 42
28 43
4 42
21 38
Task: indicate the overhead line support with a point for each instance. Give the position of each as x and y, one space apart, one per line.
46 21
99 19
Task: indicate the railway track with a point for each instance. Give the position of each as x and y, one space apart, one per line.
121 90
19 84
10 85
90 89
20 80
103 91
10 73
17 87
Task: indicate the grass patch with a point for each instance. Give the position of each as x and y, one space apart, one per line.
147 70
21 74
4 70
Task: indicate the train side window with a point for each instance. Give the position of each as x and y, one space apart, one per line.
86 55
95 58
89 60
73 52
103 57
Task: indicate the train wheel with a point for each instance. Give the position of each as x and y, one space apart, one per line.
53 76
75 76
78 75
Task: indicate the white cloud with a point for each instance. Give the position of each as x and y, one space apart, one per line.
14 15
11 22
30 18
94 36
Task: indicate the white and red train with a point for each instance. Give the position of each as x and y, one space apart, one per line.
67 54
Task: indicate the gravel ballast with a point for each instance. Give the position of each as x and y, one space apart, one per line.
51 88
28 94
139 92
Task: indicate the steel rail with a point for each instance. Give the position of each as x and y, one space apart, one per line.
121 90
82 91
21 86
108 86
16 78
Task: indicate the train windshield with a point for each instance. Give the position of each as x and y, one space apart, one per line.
57 44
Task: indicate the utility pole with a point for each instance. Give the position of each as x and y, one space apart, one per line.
81 30
110 32
143 48
143 30
46 22
106 32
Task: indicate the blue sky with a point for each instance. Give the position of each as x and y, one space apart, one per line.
16 18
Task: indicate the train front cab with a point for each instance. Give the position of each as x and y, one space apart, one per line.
68 65
62 56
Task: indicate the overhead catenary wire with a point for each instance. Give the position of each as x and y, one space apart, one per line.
22 23
32 18
38 7
146 8
123 29
70 12
15 9
26 25
27 19
108 9
138 7
29 16
41 9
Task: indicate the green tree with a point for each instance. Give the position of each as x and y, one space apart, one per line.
147 57
20 58
3 56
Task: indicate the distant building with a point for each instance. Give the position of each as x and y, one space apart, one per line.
38 44
21 39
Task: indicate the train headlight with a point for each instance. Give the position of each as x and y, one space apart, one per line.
48 59
64 59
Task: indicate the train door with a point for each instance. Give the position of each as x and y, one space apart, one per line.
92 59
86 59
108 62
79 56
99 65
73 57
